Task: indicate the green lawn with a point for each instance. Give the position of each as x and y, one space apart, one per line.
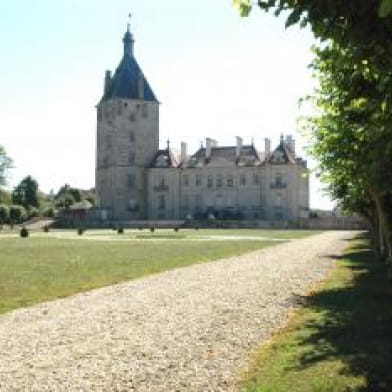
60 263
255 234
265 233
340 341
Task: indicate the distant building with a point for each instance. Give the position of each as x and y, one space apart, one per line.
136 180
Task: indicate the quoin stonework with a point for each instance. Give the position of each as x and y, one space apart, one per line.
136 180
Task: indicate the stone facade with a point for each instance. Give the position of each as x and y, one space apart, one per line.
136 180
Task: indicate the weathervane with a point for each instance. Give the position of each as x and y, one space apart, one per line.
129 22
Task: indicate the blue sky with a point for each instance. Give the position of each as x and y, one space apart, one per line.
216 75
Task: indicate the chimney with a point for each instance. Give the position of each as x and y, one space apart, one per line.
209 145
183 151
290 142
267 148
238 146
108 79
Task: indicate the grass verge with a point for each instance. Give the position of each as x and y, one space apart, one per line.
340 341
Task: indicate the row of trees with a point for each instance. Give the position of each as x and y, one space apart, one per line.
26 200
351 129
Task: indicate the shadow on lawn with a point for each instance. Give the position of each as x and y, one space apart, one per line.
358 326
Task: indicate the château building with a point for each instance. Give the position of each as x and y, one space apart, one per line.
135 180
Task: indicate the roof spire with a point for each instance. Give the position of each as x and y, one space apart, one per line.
128 39
129 23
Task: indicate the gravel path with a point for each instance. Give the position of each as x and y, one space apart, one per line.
189 329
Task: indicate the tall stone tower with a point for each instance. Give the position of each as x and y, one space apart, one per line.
127 138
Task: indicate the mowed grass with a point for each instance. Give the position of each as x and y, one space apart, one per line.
44 267
340 341
193 234
265 233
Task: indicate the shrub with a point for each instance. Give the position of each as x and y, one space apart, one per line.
48 212
140 228
152 229
120 230
196 227
80 230
4 214
17 213
176 229
32 212
46 229
24 232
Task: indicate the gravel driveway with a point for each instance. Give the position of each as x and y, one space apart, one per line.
189 329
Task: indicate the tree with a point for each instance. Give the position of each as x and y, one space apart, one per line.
16 213
4 214
351 137
351 134
26 193
67 195
354 24
5 196
65 201
48 212
5 165
67 190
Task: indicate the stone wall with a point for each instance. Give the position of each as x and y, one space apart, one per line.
127 140
252 191
333 223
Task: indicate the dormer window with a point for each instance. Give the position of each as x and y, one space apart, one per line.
278 157
162 161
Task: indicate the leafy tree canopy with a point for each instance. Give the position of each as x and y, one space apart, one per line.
26 193
16 213
351 131
5 164
67 195
364 25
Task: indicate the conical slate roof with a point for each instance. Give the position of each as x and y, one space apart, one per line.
128 80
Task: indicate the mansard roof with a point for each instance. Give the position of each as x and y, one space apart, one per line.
128 80
164 159
224 156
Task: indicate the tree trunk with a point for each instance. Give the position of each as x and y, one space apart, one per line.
370 215
384 230
375 239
